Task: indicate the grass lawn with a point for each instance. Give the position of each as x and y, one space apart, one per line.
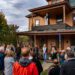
44 73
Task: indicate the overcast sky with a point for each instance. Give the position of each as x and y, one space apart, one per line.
16 10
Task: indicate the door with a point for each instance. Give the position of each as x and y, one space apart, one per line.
43 40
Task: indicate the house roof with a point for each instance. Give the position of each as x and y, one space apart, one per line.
48 0
30 15
49 6
62 32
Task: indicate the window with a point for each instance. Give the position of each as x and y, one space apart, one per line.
74 18
59 18
37 22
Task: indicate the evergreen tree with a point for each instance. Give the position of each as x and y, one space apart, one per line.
7 32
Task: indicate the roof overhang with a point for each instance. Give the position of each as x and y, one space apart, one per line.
50 6
51 9
62 32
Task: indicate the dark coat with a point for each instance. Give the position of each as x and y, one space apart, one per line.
38 64
18 53
2 61
36 52
55 70
68 67
54 56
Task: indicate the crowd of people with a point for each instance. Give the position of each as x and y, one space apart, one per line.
67 68
18 60
25 60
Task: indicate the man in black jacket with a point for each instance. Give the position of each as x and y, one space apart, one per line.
36 61
68 67
36 51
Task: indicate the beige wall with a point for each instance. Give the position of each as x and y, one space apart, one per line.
49 2
52 20
69 19
51 41
42 20
32 21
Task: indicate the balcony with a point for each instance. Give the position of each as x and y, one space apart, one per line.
60 26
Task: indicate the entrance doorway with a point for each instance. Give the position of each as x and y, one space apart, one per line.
43 40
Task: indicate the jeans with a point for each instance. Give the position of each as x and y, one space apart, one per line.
45 56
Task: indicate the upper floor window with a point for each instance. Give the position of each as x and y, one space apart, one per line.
37 22
59 18
74 20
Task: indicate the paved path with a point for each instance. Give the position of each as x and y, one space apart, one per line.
46 65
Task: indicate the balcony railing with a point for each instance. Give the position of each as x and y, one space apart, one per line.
53 27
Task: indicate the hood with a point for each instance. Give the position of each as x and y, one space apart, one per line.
24 61
71 59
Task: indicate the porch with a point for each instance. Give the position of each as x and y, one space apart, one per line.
59 41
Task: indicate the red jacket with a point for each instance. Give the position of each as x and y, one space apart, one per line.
31 69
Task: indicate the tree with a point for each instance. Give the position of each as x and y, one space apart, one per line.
7 32
12 33
3 27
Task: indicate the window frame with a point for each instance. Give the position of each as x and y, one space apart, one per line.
59 18
36 22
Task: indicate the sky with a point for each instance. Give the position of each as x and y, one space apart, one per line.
16 10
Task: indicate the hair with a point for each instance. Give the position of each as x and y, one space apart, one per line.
25 52
55 61
70 54
9 53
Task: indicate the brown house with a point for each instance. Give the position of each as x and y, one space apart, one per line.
53 24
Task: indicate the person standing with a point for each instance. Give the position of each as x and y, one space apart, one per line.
36 61
36 51
62 57
44 52
2 55
8 62
25 66
53 53
68 67
18 52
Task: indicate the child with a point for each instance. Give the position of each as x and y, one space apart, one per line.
8 62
